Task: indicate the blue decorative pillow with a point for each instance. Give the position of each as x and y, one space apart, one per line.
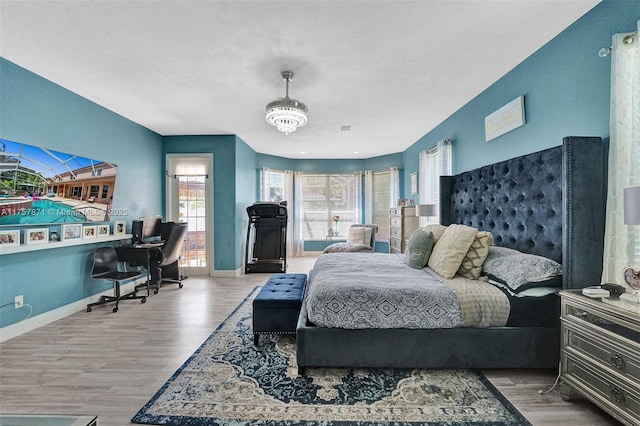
418 249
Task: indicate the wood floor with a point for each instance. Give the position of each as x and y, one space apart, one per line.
110 364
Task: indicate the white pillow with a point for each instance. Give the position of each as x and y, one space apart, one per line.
359 235
450 249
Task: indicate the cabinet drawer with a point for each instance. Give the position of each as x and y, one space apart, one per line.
395 243
395 221
595 384
395 232
616 354
395 212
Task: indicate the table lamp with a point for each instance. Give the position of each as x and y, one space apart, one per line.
631 200
426 210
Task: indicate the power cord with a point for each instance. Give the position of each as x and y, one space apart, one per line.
542 392
24 304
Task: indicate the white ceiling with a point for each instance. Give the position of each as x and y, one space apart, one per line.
393 70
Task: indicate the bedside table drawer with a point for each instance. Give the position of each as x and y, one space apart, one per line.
615 397
604 349
597 321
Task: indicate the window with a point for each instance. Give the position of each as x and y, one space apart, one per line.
93 190
274 185
433 164
326 196
75 191
381 203
105 191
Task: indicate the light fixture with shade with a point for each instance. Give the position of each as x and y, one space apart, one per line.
285 113
425 210
631 201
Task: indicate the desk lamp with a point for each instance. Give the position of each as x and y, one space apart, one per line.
631 197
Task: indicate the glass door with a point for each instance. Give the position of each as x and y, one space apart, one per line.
189 200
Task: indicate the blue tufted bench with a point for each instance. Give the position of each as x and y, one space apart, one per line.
277 306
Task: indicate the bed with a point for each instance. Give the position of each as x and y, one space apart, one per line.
550 204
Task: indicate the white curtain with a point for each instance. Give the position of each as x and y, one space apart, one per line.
368 196
622 242
433 164
298 224
357 197
265 192
394 186
445 158
288 196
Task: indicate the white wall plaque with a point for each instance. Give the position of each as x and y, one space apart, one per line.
505 119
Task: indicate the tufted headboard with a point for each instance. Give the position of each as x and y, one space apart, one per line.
550 203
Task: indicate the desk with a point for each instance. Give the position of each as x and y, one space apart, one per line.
145 256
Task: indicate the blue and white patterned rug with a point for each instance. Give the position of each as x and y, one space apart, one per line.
230 382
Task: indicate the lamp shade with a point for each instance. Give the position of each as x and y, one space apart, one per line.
426 210
632 205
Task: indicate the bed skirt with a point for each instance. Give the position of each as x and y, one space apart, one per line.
495 347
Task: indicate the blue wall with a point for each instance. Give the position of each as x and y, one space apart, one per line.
246 190
38 112
566 86
234 188
383 162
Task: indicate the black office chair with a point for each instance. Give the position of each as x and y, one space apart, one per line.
168 271
105 267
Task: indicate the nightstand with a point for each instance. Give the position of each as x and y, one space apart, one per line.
600 358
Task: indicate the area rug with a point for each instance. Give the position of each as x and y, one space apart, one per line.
230 382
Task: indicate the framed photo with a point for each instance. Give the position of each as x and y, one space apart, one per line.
414 183
10 237
71 231
37 236
89 232
120 227
103 230
54 236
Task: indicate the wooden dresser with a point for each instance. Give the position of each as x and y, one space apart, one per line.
600 358
402 222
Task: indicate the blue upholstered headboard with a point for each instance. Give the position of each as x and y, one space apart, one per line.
550 203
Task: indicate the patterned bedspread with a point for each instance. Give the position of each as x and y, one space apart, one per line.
378 290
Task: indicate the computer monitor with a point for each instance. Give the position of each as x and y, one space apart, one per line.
150 228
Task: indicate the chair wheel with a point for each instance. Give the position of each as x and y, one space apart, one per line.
143 300
155 291
88 309
115 309
180 285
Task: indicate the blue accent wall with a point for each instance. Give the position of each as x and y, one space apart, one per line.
566 86
38 112
246 190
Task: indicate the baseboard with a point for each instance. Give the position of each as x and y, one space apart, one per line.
228 273
30 324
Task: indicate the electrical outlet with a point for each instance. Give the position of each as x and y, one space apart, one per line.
18 302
